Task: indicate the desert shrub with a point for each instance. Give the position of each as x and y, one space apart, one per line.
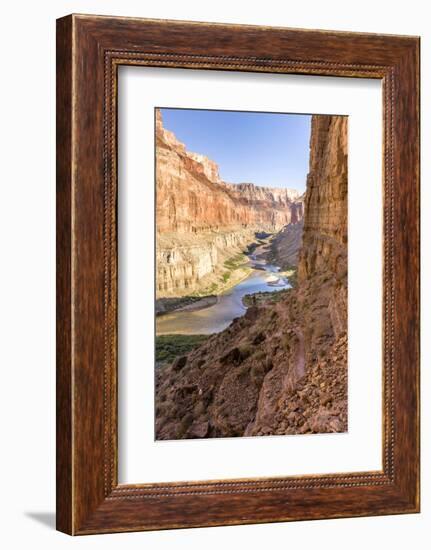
286 342
170 346
167 409
258 338
199 409
243 372
246 350
179 363
257 374
260 355
234 262
184 425
233 357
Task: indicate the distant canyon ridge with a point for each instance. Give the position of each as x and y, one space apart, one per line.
203 221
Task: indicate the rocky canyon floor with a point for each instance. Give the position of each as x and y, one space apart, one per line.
251 378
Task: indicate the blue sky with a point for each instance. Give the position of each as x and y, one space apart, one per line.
267 149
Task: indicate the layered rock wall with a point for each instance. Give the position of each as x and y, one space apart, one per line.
308 393
201 219
185 264
324 246
325 224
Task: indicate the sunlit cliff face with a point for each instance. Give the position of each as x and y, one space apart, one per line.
201 220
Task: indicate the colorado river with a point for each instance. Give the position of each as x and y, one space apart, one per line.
229 305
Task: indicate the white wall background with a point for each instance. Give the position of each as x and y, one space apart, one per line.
27 279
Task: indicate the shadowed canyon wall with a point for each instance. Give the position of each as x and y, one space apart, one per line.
282 367
201 220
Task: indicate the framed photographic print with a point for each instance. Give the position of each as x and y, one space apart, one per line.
237 274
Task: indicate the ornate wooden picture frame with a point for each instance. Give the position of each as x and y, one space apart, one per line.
89 51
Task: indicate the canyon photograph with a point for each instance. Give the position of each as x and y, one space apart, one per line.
250 274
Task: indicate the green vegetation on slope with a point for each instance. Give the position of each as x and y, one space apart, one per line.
259 298
170 346
235 262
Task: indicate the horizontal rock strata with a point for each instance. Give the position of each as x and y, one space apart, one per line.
201 221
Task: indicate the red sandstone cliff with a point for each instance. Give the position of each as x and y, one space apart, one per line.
201 220
282 368
307 390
